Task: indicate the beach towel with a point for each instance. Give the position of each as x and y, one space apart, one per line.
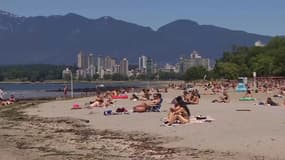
198 119
119 111
120 97
247 99
243 109
76 106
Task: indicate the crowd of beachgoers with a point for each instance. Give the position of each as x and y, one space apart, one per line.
5 102
150 99
178 106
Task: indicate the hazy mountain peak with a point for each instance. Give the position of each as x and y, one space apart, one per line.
183 22
5 13
179 24
74 15
57 39
107 18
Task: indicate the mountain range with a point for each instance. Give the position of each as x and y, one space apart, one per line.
57 39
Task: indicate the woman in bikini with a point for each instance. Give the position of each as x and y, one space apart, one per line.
179 113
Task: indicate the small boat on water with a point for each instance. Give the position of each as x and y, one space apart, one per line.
100 85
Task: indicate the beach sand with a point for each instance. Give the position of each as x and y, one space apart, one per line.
256 132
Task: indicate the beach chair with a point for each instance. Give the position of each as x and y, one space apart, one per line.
156 108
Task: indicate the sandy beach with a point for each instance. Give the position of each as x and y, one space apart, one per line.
255 132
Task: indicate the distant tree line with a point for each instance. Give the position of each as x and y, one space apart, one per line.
243 61
33 72
268 60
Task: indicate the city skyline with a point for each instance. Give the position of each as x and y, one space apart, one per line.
260 17
90 65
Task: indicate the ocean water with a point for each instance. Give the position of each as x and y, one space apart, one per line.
45 90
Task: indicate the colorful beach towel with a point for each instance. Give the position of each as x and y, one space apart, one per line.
247 99
119 111
76 106
120 97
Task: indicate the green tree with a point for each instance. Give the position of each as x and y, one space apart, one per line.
263 64
141 77
242 61
195 73
95 77
1 77
119 77
167 76
107 77
227 70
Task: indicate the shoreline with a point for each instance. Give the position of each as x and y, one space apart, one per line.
95 81
255 132
72 138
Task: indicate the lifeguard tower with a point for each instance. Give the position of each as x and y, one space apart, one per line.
241 87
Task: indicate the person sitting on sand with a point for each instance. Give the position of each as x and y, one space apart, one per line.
99 102
108 99
248 94
281 93
148 104
222 99
146 95
134 97
192 98
270 102
115 93
12 99
178 113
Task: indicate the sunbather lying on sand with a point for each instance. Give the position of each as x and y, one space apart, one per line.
148 104
11 100
222 99
270 102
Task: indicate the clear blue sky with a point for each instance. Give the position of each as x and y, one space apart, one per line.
256 16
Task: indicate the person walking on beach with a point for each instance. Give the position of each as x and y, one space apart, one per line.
65 91
1 94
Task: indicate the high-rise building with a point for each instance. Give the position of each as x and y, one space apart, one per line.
142 64
124 67
100 63
100 66
91 60
81 61
91 70
116 68
168 68
195 60
109 62
195 55
149 66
